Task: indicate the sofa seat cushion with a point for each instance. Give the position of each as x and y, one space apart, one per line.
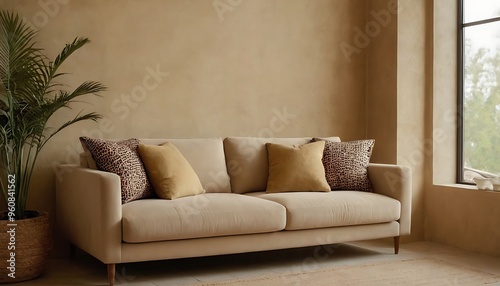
206 215
306 210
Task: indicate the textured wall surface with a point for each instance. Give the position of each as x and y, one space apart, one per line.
354 69
455 215
381 79
194 69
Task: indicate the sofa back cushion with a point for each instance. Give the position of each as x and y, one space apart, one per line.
246 160
206 157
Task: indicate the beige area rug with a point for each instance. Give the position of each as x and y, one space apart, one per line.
421 271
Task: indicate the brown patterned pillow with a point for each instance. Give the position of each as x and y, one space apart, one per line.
346 164
122 159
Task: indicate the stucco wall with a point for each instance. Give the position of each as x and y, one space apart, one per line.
191 69
188 69
396 92
455 214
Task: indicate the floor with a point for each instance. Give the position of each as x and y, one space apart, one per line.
85 270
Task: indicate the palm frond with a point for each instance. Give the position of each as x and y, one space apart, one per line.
88 87
29 96
3 96
89 116
20 59
68 50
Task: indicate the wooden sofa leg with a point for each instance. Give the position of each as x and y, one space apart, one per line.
111 274
396 244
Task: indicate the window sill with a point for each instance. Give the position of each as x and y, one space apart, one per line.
464 187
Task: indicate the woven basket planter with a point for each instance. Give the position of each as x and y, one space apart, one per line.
32 246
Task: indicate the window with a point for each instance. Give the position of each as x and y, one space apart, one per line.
479 89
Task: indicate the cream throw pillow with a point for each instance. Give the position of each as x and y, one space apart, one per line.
169 172
296 168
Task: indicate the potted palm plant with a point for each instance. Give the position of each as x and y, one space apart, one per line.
29 96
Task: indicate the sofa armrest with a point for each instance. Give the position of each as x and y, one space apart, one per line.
89 210
394 181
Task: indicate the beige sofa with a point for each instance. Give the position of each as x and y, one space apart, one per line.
234 216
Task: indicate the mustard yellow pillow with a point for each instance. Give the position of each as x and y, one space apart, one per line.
296 168
169 172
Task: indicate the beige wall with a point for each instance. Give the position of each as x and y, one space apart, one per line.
464 218
455 215
396 93
412 147
443 212
259 68
411 99
381 81
235 72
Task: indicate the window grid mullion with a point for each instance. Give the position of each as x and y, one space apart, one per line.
480 22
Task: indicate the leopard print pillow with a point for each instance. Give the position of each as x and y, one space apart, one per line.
122 159
346 164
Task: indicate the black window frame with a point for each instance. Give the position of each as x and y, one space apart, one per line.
460 86
460 93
